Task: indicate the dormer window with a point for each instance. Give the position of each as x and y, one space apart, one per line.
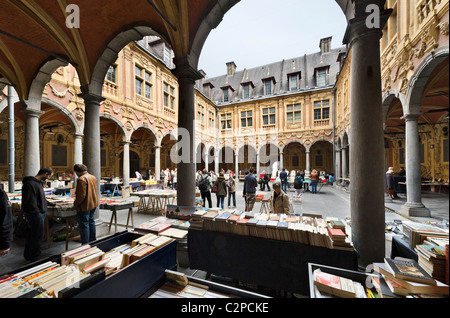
227 92
268 85
321 76
294 81
207 89
247 89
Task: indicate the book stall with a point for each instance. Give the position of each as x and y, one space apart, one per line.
418 268
393 278
125 265
246 246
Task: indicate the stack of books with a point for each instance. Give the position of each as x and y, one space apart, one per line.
418 232
432 260
42 281
327 285
316 231
405 277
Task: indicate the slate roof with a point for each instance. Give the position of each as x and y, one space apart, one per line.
279 71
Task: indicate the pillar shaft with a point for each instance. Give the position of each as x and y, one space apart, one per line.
413 205
187 75
158 163
11 141
91 153
367 150
126 164
31 157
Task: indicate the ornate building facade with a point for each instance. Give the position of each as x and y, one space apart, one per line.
414 70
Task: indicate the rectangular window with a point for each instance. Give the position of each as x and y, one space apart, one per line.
247 91
294 113
322 109
138 84
143 82
293 82
268 116
169 96
268 87
319 161
111 74
321 77
445 150
247 119
225 121
295 161
211 120
225 95
201 114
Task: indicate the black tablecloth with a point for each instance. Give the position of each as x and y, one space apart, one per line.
267 263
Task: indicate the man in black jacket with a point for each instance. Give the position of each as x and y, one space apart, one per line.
34 206
6 224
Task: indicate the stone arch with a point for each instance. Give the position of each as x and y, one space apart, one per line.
388 97
126 136
293 141
77 127
146 127
420 78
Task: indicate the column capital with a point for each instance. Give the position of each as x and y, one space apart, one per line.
185 70
33 112
357 28
411 117
90 97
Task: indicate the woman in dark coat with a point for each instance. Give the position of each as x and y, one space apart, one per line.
390 183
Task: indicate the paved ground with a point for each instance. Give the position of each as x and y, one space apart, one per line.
331 201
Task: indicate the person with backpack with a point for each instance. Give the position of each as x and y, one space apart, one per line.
221 189
204 185
231 186
298 184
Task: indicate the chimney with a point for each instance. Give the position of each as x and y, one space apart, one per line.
325 45
231 68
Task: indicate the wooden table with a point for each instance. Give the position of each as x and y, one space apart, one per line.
117 205
155 201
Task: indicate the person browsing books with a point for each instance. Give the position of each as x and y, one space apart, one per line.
279 200
6 224
34 207
86 202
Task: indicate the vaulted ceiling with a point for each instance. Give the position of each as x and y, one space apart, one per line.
33 32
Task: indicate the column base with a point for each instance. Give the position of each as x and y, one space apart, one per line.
415 209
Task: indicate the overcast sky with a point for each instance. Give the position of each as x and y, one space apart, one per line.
259 32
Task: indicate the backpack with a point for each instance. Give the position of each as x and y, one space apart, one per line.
298 183
203 185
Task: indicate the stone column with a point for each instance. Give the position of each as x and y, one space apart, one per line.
77 154
91 153
366 137
338 166
187 75
206 160
257 164
78 149
344 162
413 205
126 163
31 157
236 164
11 141
158 163
281 161
216 162
308 164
